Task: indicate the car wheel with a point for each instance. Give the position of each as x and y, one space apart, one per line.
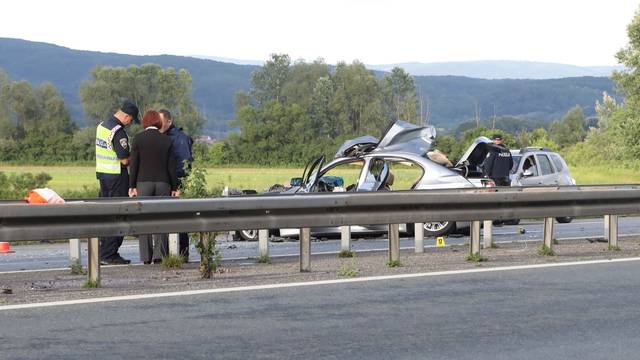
439 228
248 235
564 219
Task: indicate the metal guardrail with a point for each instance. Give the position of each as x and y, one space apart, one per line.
90 218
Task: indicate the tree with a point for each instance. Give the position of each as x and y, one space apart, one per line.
570 129
400 94
268 81
149 86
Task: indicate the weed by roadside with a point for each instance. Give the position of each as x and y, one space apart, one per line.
394 263
77 269
350 270
614 248
172 261
90 284
544 250
476 257
346 254
264 259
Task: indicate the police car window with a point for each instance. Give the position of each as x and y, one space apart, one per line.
545 165
557 162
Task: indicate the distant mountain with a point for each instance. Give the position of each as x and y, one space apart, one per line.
231 60
500 69
451 98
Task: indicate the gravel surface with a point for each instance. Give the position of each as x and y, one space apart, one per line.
30 287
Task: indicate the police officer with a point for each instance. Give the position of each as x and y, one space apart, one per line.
112 159
498 163
181 152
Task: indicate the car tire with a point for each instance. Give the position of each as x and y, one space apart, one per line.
443 228
248 235
564 219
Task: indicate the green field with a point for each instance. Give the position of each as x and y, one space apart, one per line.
67 179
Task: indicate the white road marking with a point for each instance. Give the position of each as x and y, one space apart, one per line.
308 283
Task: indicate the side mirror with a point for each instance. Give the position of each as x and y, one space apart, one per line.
527 173
296 181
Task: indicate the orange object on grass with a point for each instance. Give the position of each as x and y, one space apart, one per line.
43 196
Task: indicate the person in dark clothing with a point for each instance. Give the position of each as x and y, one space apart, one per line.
181 145
498 163
112 158
153 173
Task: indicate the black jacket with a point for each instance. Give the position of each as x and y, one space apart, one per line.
180 150
151 159
498 163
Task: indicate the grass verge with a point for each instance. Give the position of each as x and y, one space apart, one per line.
264 259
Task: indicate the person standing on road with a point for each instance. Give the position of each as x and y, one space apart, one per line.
153 173
497 166
112 159
181 145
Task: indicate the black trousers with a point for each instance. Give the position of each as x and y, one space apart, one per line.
113 186
156 246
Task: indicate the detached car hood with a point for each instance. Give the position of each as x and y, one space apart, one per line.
401 136
406 137
477 152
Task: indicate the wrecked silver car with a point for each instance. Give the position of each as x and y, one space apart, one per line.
404 159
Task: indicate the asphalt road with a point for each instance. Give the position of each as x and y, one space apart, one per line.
576 312
47 256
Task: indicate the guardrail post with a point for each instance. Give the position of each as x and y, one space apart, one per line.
548 232
487 233
93 266
305 249
394 242
174 245
474 245
612 231
607 218
75 252
419 232
345 238
263 242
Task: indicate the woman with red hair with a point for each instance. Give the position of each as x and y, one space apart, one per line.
152 172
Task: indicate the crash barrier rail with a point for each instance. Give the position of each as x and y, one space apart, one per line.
91 218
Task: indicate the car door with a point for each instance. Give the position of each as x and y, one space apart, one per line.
374 175
529 163
548 175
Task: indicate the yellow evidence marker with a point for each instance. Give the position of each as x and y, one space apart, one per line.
440 241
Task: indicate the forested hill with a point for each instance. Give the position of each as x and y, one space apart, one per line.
214 83
451 99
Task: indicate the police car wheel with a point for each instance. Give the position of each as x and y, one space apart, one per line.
248 235
439 228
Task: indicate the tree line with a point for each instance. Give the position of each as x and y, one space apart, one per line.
296 110
35 125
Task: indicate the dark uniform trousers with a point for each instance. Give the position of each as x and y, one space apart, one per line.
115 186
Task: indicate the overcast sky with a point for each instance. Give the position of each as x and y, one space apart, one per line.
376 31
